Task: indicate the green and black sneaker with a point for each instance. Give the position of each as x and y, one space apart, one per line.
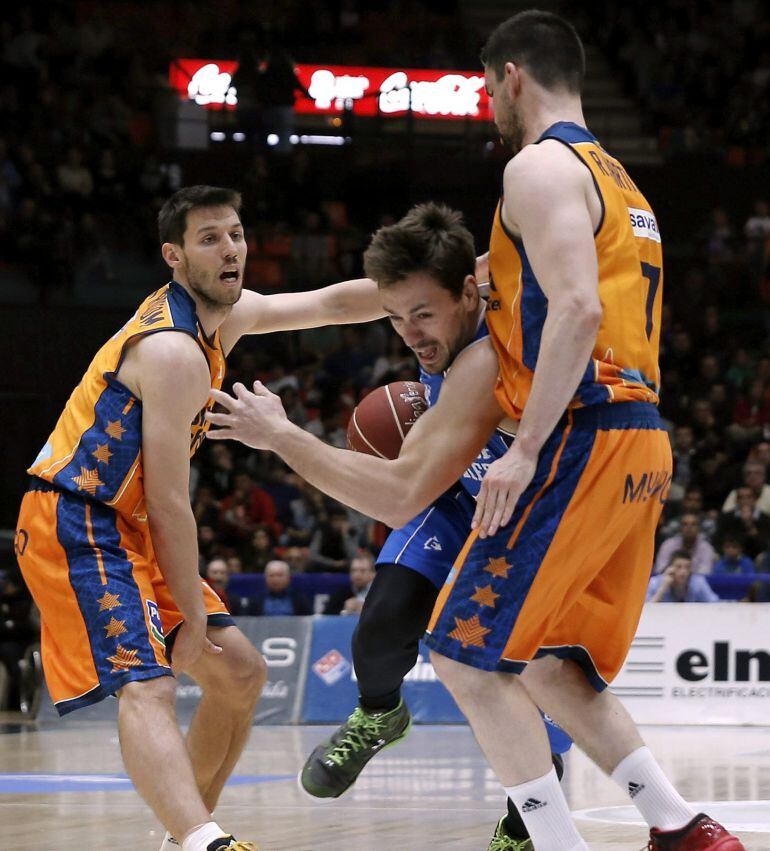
335 764
502 842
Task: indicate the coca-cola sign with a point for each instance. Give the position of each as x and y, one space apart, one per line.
392 91
208 82
434 94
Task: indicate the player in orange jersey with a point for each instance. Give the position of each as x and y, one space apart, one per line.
106 536
551 584
566 519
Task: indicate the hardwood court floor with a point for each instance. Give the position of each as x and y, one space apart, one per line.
61 789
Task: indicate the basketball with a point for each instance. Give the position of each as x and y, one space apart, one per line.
383 419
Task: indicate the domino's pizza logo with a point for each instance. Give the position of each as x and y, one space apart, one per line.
156 626
331 667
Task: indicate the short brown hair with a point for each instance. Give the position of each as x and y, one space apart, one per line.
431 238
172 218
677 554
543 43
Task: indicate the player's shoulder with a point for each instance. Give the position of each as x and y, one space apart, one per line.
547 163
478 352
170 352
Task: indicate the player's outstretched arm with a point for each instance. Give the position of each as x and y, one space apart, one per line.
174 384
438 449
547 197
345 303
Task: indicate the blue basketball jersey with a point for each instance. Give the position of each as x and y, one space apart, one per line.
500 441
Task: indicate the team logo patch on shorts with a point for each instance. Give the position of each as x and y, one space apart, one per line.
331 667
156 627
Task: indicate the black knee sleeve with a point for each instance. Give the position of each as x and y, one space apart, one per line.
385 644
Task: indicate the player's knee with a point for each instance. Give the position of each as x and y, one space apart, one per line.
458 678
256 674
239 670
380 629
389 615
144 695
373 620
549 674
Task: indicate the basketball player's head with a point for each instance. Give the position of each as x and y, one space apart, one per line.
528 58
424 267
202 240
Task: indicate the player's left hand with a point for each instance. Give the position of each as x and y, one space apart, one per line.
253 418
504 482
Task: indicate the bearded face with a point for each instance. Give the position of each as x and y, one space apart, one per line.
508 117
213 255
511 126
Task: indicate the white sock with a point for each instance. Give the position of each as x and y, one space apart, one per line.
169 843
661 806
544 810
202 836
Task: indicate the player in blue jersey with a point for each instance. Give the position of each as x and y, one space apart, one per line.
443 321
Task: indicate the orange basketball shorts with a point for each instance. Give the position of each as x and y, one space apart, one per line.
105 610
569 573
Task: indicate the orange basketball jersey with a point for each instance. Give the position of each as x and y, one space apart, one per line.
95 448
624 363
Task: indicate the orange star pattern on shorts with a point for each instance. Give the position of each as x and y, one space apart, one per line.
498 567
124 659
109 602
115 628
470 632
485 596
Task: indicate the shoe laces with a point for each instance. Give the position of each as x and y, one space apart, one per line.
238 846
502 842
363 731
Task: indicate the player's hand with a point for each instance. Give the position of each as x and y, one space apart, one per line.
668 577
191 643
352 606
504 482
252 418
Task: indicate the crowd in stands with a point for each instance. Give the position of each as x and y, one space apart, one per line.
701 69
87 157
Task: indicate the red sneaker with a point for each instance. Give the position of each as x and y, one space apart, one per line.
701 834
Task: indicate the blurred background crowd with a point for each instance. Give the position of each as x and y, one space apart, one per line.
87 158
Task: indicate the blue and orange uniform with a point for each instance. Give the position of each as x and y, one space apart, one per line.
568 574
83 539
431 541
